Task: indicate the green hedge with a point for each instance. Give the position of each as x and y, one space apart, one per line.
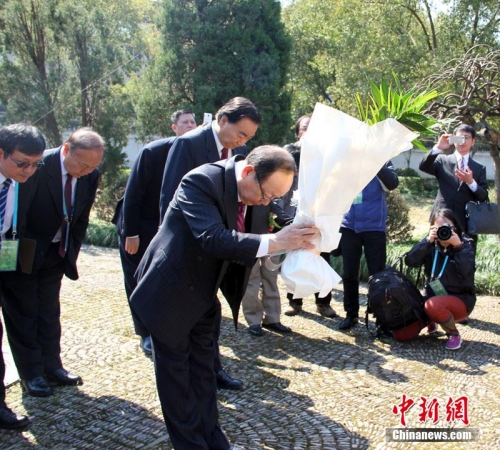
487 262
101 233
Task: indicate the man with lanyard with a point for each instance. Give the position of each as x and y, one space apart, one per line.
56 222
21 150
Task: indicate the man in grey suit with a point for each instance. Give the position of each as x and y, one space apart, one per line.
200 247
236 122
62 192
460 178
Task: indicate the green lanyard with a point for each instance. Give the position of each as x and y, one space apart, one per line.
14 213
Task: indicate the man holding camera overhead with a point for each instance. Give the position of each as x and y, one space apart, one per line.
460 178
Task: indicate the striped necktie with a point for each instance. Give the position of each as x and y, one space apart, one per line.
462 164
224 153
3 199
240 221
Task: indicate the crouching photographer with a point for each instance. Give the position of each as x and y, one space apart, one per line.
448 257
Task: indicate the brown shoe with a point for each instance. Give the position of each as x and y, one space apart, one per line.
326 311
293 310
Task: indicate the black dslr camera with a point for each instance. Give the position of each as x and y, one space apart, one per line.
444 232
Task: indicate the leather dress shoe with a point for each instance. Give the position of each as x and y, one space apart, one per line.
9 420
326 311
224 381
63 377
293 310
255 330
146 345
348 323
37 387
278 327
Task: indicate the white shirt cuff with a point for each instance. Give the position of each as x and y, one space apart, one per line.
264 246
473 186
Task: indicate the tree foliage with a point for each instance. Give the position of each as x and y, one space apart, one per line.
213 51
62 59
473 82
340 45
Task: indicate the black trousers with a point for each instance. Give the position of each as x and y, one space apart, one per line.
2 369
129 266
187 388
32 311
352 245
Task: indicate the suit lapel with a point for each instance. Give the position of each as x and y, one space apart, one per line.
211 146
231 193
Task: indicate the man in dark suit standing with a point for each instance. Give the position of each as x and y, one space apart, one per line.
460 178
201 246
21 150
235 124
138 215
57 218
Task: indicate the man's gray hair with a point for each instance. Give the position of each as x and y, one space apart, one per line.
268 159
85 139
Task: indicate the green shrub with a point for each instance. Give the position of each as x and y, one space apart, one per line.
399 228
101 233
110 190
406 172
487 280
487 263
416 187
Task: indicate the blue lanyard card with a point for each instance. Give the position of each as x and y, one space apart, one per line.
8 255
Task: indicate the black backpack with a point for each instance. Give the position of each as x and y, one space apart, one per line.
394 300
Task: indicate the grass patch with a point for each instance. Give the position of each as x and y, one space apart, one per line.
101 233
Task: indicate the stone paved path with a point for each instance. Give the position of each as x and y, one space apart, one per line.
317 388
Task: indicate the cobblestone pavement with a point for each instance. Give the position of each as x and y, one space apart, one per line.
317 388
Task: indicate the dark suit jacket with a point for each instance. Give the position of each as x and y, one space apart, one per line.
45 213
451 193
138 212
196 251
193 149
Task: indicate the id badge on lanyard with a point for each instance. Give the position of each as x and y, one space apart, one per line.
9 249
436 285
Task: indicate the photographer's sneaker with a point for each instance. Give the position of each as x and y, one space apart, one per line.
454 342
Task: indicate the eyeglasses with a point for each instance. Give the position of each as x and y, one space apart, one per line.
263 194
25 165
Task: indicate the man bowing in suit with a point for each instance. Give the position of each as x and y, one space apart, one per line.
63 192
236 122
21 150
460 178
201 246
137 216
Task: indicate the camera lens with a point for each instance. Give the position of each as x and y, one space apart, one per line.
444 233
